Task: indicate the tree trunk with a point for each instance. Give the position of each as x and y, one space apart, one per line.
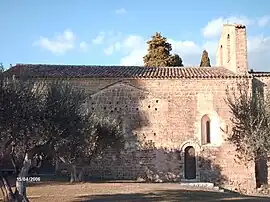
71 177
73 174
76 176
8 195
56 168
21 179
81 175
261 170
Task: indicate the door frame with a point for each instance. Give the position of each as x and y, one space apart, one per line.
197 148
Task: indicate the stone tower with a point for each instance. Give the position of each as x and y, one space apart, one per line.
232 48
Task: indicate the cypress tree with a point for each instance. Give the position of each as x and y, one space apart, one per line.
159 53
205 60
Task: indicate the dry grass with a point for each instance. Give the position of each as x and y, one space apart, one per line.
129 192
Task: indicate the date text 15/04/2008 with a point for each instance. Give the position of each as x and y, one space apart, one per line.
28 179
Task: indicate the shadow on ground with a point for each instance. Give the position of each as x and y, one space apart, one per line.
172 196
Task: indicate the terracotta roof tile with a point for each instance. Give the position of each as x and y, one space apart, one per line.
259 73
42 70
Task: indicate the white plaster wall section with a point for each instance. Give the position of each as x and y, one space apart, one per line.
205 107
216 137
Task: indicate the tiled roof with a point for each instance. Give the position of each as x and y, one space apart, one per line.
259 74
41 70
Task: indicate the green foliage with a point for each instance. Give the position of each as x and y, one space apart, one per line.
39 119
78 136
103 132
35 113
20 104
251 122
159 53
205 60
175 61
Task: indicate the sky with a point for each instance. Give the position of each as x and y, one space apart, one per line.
115 32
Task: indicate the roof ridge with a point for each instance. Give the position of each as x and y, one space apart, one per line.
103 71
127 66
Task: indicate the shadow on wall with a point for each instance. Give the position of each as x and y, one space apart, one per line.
211 172
155 165
128 101
121 101
144 168
140 159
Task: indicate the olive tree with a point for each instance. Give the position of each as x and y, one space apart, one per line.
46 118
250 111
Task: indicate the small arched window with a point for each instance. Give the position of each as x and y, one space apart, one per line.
205 130
221 55
228 48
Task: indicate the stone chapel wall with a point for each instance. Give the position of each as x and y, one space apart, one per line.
165 116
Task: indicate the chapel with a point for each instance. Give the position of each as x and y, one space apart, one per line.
176 119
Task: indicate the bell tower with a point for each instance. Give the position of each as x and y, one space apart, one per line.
232 49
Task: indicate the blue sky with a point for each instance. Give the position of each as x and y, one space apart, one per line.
114 32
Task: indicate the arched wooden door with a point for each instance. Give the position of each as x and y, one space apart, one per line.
190 163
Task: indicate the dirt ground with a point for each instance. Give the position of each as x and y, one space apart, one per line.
128 192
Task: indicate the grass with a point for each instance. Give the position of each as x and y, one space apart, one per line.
128 192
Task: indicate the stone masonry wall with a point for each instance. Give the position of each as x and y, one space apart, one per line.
241 50
164 116
232 49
